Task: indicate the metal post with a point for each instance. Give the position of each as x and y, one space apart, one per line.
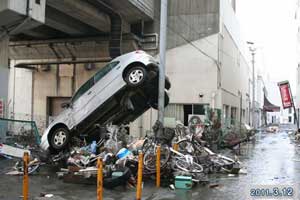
253 88
139 186
25 175
158 166
241 111
162 54
176 146
99 179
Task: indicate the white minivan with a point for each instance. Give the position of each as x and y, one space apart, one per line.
118 93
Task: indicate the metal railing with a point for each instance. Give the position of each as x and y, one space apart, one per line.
22 132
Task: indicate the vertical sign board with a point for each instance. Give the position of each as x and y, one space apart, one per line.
287 99
286 96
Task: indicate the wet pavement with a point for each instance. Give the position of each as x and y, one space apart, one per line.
273 159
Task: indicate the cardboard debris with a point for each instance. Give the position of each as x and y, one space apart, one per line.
12 151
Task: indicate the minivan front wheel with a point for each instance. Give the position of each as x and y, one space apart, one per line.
59 138
136 76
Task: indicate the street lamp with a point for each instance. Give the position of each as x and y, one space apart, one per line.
252 49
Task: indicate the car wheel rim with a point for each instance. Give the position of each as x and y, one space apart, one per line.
60 138
136 76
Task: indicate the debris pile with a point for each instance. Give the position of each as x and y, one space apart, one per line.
190 160
185 158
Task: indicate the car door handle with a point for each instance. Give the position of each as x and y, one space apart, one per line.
89 92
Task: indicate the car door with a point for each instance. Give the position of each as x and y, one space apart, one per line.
81 100
102 80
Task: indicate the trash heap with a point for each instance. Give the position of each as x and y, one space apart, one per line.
119 153
186 158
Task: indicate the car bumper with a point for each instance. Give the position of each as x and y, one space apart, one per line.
44 142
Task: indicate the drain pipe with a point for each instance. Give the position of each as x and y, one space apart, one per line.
115 17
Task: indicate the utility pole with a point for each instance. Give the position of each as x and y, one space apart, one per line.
253 50
162 55
253 88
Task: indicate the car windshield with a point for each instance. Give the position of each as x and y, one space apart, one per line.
98 76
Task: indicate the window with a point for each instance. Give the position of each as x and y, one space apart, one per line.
192 109
198 110
100 74
38 2
290 119
290 110
85 87
233 115
273 119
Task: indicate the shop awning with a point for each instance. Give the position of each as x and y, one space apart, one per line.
269 107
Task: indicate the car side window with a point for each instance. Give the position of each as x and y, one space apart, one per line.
85 87
102 72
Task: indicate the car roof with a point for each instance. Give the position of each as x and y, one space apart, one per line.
125 56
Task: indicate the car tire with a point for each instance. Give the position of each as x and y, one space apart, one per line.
136 76
59 139
154 101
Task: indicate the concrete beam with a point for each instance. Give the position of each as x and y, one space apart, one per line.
64 23
83 11
44 32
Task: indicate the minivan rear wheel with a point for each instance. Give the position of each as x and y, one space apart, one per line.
136 76
59 138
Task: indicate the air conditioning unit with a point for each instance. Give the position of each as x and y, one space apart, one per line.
13 12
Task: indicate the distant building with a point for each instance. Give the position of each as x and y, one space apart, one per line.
297 98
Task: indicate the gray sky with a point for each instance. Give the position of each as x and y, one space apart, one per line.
272 26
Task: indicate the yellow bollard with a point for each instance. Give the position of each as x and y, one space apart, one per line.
100 179
158 166
25 176
175 146
139 178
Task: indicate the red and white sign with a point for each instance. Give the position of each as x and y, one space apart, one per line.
1 108
286 95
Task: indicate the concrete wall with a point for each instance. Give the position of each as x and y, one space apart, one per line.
188 20
192 72
235 70
191 20
235 75
29 89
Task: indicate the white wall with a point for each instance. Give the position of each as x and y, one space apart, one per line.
20 93
235 69
235 74
193 73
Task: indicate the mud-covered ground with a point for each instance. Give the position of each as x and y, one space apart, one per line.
273 159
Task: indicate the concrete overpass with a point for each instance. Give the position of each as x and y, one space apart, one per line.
68 31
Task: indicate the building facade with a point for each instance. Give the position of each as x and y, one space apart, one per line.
206 60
